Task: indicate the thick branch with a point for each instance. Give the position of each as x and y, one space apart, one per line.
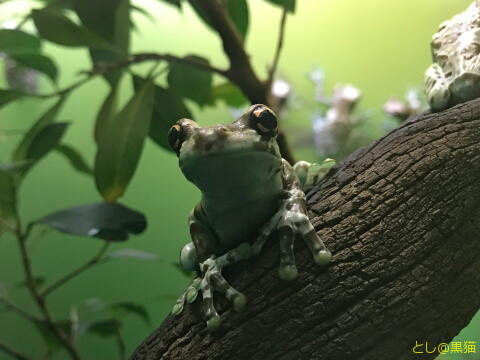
402 218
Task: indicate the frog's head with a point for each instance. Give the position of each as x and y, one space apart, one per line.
245 144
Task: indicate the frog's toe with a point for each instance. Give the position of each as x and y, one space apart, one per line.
233 295
287 269
288 272
322 257
177 308
214 323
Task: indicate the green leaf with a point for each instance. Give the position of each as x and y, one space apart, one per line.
105 328
38 62
105 115
134 254
46 140
18 42
8 200
287 4
108 19
49 117
132 308
167 109
75 158
144 12
59 29
7 96
238 10
118 152
190 82
107 221
230 93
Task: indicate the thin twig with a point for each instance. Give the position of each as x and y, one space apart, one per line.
278 50
9 306
12 353
90 263
37 297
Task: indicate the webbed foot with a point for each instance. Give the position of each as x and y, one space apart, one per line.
212 281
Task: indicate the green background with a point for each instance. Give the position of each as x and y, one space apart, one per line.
380 46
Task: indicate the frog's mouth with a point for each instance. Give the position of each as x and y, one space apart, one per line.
220 172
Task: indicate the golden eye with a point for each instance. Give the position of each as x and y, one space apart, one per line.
264 121
176 137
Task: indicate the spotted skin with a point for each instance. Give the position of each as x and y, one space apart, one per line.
454 76
255 194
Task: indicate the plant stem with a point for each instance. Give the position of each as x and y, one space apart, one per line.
93 261
120 344
12 353
278 50
37 297
9 306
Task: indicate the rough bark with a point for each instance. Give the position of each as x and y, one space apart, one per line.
402 218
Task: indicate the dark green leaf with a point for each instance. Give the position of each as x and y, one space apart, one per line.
59 29
108 19
118 152
107 221
18 42
132 308
231 94
49 337
105 115
10 95
133 253
105 328
144 12
20 153
46 140
190 82
8 200
167 109
176 3
38 280
238 10
287 4
75 158
38 62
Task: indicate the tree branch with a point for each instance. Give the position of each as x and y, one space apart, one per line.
241 71
12 353
402 218
63 280
9 306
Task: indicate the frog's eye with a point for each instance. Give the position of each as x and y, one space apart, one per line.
264 121
176 137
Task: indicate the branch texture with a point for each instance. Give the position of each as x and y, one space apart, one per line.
402 218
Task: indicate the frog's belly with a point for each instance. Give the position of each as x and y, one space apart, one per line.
238 224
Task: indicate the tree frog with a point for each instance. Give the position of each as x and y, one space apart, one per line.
454 76
248 192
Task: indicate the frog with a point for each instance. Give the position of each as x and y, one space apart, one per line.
248 192
454 76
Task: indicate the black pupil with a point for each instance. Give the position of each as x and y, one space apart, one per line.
267 119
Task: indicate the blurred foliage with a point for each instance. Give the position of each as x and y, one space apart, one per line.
46 40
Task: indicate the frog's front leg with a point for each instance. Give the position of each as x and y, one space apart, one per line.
291 220
199 255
